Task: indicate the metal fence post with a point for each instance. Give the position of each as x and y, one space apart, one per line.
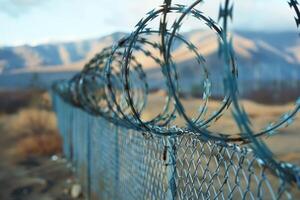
171 168
117 168
89 158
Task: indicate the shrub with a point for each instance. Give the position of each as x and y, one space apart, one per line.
35 131
44 144
32 121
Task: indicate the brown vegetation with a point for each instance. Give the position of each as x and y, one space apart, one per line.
33 127
12 101
28 135
36 132
39 145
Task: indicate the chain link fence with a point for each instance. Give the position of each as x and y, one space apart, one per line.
117 163
120 153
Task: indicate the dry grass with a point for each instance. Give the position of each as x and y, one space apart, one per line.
36 132
45 145
32 122
33 126
12 101
285 145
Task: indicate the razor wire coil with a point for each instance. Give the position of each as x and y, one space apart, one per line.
114 85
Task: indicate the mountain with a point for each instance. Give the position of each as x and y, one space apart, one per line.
252 48
267 62
53 54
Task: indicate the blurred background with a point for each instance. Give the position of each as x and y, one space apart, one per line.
43 41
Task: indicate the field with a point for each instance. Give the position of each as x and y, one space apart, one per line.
29 138
285 144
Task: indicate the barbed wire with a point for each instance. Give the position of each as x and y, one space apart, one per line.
114 84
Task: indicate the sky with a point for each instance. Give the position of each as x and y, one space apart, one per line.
40 21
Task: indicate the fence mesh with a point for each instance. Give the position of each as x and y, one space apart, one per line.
117 163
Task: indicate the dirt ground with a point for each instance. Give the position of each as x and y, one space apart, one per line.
32 177
31 167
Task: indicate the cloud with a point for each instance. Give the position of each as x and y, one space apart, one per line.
15 8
